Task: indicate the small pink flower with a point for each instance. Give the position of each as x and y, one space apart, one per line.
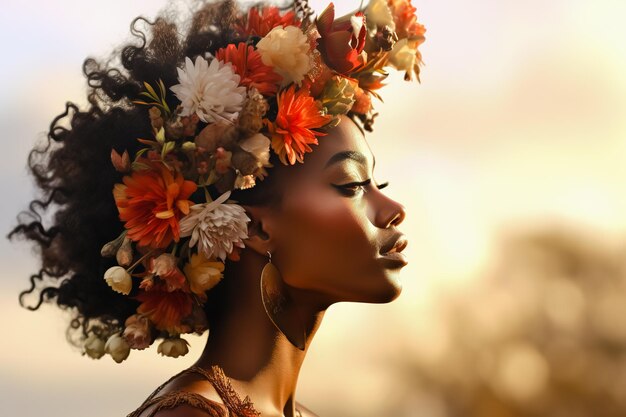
164 266
137 332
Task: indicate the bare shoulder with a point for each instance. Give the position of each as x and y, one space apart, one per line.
305 412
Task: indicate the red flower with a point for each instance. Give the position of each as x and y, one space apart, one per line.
292 132
342 41
260 23
151 201
166 309
248 64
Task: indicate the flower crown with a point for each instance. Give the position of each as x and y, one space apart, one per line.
279 89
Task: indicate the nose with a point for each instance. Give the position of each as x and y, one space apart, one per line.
387 211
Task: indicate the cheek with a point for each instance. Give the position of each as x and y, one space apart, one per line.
328 243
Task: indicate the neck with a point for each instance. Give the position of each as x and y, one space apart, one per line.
244 342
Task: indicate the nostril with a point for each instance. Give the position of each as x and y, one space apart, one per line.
399 216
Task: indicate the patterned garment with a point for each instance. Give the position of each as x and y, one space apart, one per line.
233 405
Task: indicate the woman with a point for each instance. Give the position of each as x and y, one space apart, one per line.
222 181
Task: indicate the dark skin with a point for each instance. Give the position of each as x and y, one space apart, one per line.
326 240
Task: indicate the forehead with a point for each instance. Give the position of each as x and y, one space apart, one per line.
346 137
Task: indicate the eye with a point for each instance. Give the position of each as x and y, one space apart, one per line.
354 188
351 189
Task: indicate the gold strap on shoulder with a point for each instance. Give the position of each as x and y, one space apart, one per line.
178 398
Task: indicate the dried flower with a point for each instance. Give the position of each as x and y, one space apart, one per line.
222 160
173 347
248 64
363 102
338 95
117 347
137 332
288 51
110 249
156 118
292 132
203 273
119 279
216 227
211 91
342 42
124 255
251 117
151 201
243 182
216 135
259 146
94 346
120 162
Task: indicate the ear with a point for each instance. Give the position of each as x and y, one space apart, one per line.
261 234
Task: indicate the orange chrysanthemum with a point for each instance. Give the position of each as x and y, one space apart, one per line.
166 309
292 132
151 202
248 64
405 20
261 22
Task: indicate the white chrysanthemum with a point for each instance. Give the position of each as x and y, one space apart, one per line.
288 51
215 227
211 91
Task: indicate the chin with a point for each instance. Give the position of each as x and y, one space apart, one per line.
386 293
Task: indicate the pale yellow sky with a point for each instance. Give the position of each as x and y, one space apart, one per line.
519 120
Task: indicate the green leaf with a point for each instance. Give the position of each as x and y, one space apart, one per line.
151 90
162 88
167 148
160 136
166 107
141 152
139 166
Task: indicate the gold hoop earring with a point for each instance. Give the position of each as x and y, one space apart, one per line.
277 303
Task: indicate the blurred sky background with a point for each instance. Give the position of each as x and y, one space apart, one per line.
518 126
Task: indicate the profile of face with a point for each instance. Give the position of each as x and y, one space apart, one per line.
328 235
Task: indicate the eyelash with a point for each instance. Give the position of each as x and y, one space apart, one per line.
351 189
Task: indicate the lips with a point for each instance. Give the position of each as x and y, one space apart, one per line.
397 246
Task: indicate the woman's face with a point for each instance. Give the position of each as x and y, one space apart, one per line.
329 236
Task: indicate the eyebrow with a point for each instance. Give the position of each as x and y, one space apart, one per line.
352 155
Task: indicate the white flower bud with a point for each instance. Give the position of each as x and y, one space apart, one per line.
94 346
173 347
117 347
119 279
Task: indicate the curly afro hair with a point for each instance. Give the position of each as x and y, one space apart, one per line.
74 174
